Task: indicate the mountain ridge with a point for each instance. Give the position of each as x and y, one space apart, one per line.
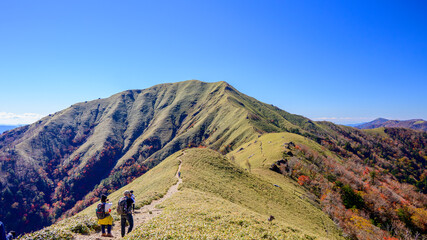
105 143
416 124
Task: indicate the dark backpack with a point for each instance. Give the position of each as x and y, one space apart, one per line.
123 207
100 211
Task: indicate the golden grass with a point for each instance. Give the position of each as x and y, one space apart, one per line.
207 171
192 214
217 200
376 132
267 149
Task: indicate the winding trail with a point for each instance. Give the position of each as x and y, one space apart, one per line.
142 215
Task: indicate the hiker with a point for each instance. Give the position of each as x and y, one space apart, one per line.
11 235
124 208
133 198
2 232
104 217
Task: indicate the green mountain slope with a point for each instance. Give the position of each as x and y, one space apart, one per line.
217 200
96 146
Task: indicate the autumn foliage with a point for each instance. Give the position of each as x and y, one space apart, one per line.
368 202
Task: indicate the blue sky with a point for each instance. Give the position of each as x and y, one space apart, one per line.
342 61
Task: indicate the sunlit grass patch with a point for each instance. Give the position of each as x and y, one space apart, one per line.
265 150
49 234
207 171
192 214
65 229
376 131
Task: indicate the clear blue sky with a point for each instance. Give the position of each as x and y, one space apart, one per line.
345 61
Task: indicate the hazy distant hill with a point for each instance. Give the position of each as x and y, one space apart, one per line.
4 128
61 164
417 124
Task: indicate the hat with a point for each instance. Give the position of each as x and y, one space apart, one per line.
103 198
126 193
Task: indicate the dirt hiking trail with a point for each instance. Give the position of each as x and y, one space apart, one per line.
142 215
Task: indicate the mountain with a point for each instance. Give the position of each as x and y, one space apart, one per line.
106 143
416 124
4 128
372 183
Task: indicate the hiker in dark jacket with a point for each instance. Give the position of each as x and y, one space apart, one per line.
127 213
2 232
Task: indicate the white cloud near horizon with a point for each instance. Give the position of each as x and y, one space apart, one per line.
7 118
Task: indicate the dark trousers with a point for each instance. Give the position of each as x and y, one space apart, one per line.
108 228
128 217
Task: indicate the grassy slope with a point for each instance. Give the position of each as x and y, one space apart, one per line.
258 155
268 148
193 214
376 132
150 186
220 200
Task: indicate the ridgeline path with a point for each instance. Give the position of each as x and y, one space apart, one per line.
142 215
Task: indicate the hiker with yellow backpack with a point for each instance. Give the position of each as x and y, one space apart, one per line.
104 218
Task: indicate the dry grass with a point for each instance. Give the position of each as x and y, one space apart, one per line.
267 149
192 214
216 195
218 200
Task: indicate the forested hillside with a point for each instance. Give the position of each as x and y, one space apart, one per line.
363 198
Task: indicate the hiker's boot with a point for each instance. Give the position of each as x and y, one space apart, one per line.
109 235
104 235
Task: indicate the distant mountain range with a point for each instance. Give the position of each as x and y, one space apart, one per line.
416 124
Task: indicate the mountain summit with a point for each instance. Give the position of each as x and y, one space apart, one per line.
106 143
